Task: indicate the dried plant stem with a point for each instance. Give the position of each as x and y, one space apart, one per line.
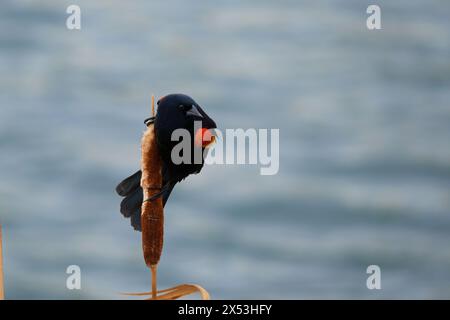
153 105
2 292
154 290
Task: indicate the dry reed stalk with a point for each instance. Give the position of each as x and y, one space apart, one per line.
2 292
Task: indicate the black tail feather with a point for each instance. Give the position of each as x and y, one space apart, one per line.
130 184
131 202
130 189
135 220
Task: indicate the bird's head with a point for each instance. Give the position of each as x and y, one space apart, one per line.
179 111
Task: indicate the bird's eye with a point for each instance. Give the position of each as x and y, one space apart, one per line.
184 108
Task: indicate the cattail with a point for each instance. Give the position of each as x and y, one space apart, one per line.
152 217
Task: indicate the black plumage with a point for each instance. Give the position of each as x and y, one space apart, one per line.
175 111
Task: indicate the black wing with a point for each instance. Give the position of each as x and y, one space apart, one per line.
131 190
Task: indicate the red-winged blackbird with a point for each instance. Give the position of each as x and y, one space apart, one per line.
175 111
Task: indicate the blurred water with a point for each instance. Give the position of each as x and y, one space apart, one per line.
364 119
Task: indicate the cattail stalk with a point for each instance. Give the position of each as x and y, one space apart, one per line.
152 217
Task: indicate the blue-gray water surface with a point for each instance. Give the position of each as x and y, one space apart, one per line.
364 119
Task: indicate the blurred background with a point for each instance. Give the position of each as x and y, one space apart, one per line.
364 119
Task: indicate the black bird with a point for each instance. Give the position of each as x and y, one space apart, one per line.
175 111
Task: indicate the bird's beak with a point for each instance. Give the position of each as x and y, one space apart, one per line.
194 112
